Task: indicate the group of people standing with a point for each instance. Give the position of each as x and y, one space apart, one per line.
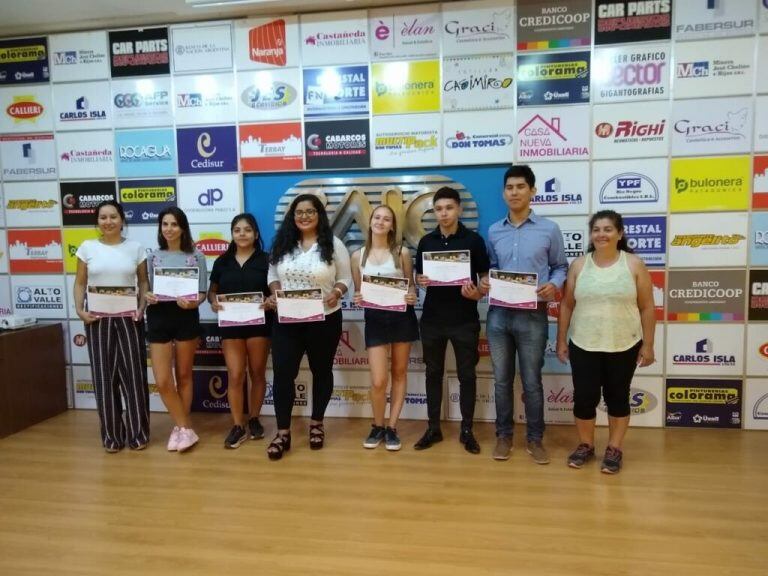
606 323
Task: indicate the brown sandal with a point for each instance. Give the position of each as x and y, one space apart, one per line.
316 436
280 444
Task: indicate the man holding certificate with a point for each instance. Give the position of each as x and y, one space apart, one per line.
448 260
528 268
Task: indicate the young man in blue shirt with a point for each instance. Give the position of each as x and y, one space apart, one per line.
527 243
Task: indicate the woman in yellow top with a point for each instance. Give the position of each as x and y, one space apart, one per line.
608 307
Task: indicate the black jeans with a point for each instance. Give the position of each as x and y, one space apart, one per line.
464 338
289 343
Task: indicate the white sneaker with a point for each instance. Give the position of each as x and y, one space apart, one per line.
173 441
187 439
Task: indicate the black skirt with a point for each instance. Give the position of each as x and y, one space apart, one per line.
388 327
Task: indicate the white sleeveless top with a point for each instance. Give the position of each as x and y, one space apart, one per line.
386 268
606 317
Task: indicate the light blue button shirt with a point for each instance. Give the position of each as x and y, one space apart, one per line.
535 245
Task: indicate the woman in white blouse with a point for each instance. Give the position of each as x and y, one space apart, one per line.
305 254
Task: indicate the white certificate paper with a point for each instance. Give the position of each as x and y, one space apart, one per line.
300 305
447 268
513 289
173 283
112 300
241 309
384 293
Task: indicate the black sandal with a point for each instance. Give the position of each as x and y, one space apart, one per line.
316 436
280 444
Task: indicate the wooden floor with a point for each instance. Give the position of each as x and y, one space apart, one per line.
687 502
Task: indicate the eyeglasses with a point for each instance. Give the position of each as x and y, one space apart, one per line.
309 213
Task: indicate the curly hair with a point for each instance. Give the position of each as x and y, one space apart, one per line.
288 235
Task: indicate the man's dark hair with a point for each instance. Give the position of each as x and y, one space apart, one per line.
446 193
520 171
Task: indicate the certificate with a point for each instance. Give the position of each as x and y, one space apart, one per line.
384 293
112 300
300 305
448 268
242 309
513 289
173 283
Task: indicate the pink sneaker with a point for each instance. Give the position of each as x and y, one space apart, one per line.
173 441
187 439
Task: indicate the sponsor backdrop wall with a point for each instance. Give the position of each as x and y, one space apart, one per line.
656 109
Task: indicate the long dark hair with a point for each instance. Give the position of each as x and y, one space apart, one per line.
392 244
288 235
251 221
116 205
618 223
181 220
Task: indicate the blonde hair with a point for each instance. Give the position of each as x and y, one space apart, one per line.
394 247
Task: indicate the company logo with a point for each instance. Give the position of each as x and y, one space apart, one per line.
406 141
204 148
708 185
142 152
553 195
136 100
628 131
573 242
65 58
336 39
24 204
629 187
705 289
553 71
760 409
383 88
733 126
274 96
693 69
211 245
16 54
82 112
266 43
39 298
640 402
85 156
189 100
497 29
382 31
132 53
314 142
463 140
704 356
482 82
24 109
626 16
696 395
697 240
210 197
540 137
258 148
79 340
758 298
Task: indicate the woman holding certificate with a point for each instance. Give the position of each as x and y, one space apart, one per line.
608 307
383 274
115 339
309 274
178 275
237 291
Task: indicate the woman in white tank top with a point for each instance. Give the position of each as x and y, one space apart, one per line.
609 315
387 332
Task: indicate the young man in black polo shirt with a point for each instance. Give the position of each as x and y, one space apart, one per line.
450 314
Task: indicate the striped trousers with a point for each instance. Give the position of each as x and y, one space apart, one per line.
119 365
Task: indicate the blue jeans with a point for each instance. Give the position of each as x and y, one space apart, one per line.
521 332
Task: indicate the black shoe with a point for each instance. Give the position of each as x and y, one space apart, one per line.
431 436
235 437
470 442
256 429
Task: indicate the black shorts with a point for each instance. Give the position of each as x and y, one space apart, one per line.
245 332
166 322
608 372
387 327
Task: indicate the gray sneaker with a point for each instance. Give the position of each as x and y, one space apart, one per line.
392 440
375 437
537 451
503 448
